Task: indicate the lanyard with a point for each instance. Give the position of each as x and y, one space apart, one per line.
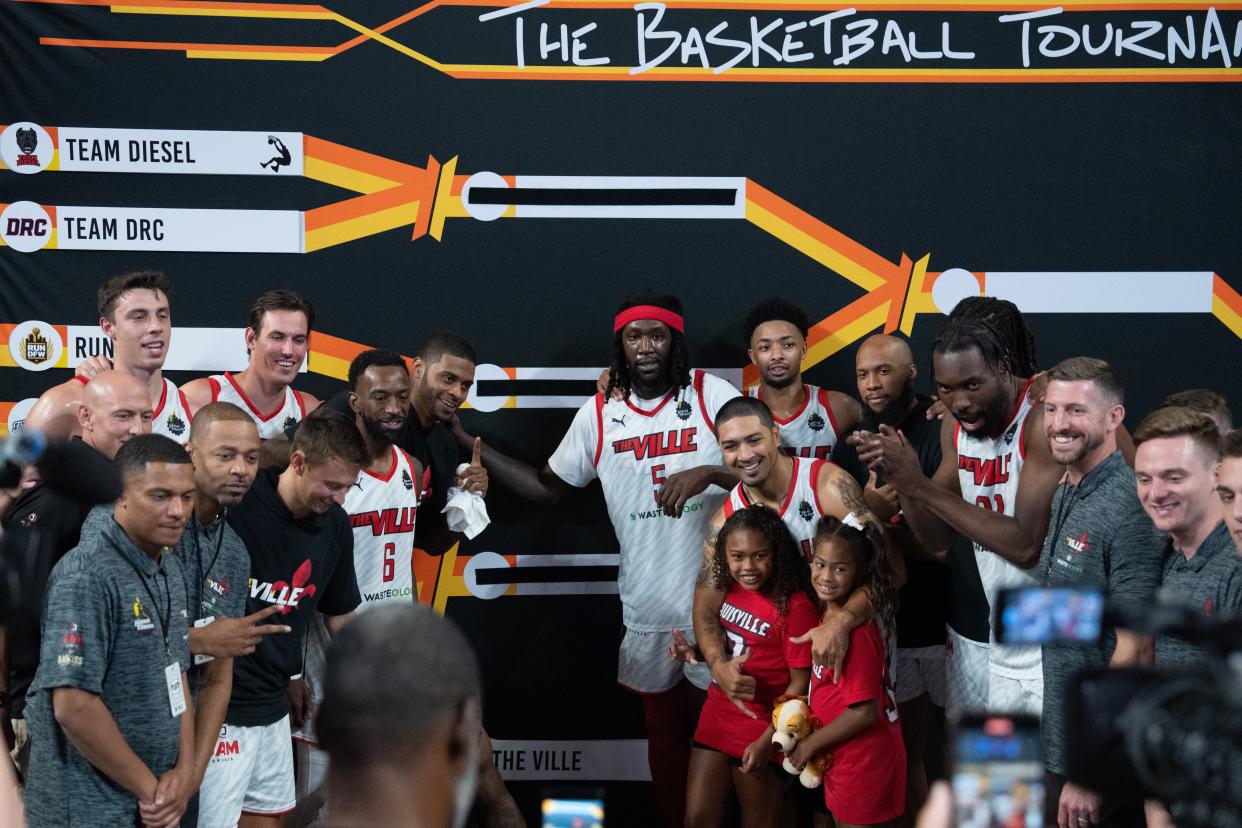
1063 512
198 551
167 616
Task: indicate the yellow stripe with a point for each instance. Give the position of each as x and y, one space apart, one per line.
335 174
329 366
794 5
357 228
814 248
1226 314
223 12
846 336
917 301
216 55
389 42
443 190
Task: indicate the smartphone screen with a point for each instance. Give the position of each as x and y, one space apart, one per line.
573 813
998 774
1060 615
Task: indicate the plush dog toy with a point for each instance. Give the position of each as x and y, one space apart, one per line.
792 719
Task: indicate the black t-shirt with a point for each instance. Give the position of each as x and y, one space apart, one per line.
435 449
41 526
929 597
303 564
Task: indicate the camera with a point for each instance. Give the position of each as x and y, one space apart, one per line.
1172 734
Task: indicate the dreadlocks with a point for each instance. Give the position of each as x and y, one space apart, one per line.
790 573
679 359
1006 321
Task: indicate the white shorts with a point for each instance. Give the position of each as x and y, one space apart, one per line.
251 770
311 769
643 664
966 670
921 670
1015 695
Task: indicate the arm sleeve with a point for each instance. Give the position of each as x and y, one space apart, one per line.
574 459
863 671
341 593
717 392
78 633
802 617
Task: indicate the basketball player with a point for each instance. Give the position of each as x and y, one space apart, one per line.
654 450
801 491
277 339
994 485
381 506
811 419
133 313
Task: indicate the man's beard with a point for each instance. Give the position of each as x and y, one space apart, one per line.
895 410
376 431
789 380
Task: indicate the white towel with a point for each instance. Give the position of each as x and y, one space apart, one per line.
466 511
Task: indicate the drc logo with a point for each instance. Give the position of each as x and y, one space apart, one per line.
26 148
26 226
35 345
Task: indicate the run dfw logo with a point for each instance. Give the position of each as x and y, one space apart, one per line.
285 595
660 444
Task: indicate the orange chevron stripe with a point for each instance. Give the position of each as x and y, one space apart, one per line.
359 161
183 47
363 205
1222 291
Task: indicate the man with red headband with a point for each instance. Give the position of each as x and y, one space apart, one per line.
655 453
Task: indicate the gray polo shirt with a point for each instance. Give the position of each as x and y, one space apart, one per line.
104 632
214 562
1210 581
1098 535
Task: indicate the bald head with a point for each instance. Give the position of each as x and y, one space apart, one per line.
115 407
885 372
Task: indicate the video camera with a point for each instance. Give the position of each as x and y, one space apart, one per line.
1173 734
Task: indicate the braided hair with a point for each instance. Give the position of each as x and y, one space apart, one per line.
679 358
1004 319
875 572
790 573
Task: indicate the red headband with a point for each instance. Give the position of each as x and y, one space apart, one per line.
668 317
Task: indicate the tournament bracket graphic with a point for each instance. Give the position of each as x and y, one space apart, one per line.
394 195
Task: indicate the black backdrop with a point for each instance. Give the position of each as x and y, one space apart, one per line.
1042 177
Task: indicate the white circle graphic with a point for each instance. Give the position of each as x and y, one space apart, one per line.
17 414
484 560
35 345
952 286
483 212
26 148
25 226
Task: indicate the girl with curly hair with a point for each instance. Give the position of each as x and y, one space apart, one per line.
866 784
768 600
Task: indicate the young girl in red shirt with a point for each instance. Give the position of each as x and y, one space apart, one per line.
866 784
768 600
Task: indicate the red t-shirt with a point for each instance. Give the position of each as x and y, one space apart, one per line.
749 620
867 781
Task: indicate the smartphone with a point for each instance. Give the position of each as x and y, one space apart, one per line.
561 812
1059 615
998 772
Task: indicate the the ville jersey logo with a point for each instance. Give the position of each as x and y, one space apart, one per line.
385 521
660 444
987 472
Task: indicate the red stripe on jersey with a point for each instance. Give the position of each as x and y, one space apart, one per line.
391 469
653 411
599 427
215 389
816 468
185 405
728 508
163 399
806 400
249 404
698 390
793 483
297 397
832 418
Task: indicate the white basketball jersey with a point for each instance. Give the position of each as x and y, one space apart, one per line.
382 514
633 446
800 510
988 471
172 414
812 431
225 389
